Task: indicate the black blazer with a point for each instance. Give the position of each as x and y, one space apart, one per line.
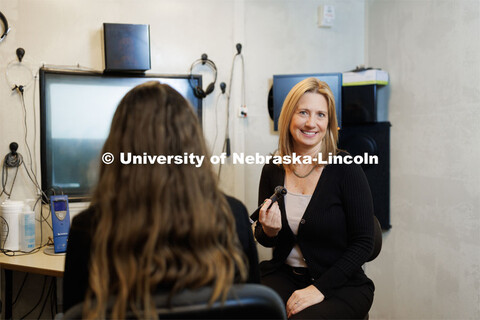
335 234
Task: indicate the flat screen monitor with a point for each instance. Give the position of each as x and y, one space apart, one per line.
76 110
282 84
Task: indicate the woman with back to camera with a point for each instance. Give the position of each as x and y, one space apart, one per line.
154 227
322 231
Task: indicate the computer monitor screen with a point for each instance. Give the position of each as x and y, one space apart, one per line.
76 111
282 84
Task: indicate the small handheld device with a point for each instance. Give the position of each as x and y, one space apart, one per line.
60 222
280 191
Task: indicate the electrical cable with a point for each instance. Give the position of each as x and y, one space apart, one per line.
35 179
49 293
18 253
77 67
242 88
4 183
42 217
20 90
227 129
34 119
16 161
226 145
25 75
220 165
12 160
39 300
41 224
13 253
36 202
53 303
21 288
45 219
5 174
41 220
30 173
222 85
216 124
26 141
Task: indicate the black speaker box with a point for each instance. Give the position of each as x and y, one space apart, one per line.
374 139
364 104
127 47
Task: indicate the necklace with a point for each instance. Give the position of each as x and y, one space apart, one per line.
305 175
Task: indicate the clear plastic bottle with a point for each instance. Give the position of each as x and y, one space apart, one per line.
11 212
27 225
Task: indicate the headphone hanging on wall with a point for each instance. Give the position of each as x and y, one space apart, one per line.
18 74
6 29
197 90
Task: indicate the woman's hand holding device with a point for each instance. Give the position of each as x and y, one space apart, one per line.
270 219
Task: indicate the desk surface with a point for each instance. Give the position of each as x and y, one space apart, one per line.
39 263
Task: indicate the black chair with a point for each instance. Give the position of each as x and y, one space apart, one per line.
377 237
247 301
377 244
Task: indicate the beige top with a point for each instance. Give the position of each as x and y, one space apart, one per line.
295 206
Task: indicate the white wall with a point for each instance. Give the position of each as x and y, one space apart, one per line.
278 37
285 39
429 267
430 263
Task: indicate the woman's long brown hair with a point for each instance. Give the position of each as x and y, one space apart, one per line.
159 225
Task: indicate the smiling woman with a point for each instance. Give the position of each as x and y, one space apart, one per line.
310 97
322 230
309 122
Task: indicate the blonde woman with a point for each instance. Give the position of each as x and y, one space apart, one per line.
154 227
322 231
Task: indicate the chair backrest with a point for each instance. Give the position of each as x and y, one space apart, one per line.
245 301
377 239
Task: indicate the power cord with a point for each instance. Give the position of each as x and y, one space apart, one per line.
39 300
35 119
21 288
35 182
50 293
34 179
15 159
222 87
20 89
5 178
226 145
29 171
